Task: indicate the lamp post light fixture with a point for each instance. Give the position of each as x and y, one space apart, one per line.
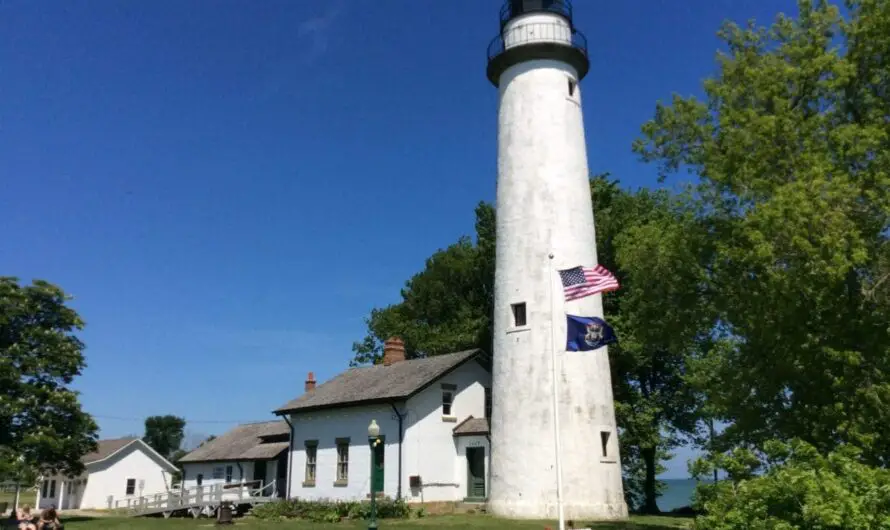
373 440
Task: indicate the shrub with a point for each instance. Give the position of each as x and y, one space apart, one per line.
330 511
793 487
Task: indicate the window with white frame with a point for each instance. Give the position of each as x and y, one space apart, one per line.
342 460
311 453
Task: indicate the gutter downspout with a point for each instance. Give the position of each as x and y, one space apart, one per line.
401 439
290 456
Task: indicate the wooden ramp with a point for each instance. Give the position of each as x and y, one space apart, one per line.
196 500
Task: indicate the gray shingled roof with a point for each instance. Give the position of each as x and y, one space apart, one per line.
471 426
244 442
106 448
378 383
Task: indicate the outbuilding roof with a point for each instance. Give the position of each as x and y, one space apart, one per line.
244 442
106 448
378 383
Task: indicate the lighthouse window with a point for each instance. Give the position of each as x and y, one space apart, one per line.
519 319
604 437
572 85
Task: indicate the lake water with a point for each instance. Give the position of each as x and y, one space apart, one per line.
677 493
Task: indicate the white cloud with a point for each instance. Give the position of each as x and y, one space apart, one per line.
316 30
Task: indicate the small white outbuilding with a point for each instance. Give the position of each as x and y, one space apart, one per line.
119 468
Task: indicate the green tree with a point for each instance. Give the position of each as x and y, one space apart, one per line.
42 426
658 247
792 149
164 434
446 307
792 486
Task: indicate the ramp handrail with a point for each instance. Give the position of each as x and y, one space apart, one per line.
193 497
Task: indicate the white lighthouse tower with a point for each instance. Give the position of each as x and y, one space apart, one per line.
544 224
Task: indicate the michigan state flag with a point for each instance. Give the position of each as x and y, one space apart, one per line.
588 333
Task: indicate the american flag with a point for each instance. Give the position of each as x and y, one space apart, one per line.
579 282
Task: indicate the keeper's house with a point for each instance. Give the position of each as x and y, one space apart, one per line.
432 415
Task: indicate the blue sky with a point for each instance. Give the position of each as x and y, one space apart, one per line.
228 187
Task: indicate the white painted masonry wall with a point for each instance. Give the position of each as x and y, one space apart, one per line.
192 470
325 427
109 478
544 206
430 449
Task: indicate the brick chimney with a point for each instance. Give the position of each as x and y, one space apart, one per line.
393 351
310 382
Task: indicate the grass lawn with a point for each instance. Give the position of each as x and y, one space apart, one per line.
478 522
25 497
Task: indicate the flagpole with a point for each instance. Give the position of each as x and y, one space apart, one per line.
555 376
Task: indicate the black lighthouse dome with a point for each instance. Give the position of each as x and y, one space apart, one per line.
536 29
516 8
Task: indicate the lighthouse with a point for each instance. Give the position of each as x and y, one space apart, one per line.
554 439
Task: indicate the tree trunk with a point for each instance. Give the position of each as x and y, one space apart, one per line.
711 425
650 507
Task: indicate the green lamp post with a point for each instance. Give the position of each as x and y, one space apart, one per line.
373 440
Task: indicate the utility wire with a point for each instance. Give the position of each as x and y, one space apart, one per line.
124 418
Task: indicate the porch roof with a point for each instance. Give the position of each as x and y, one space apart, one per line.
471 426
244 442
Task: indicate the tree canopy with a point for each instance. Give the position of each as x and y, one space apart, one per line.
447 306
792 149
164 434
659 249
42 426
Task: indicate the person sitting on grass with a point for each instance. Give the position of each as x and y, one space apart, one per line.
49 520
25 519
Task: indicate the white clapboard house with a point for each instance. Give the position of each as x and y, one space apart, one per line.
254 452
432 414
119 468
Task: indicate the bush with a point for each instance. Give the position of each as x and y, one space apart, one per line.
330 511
793 487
